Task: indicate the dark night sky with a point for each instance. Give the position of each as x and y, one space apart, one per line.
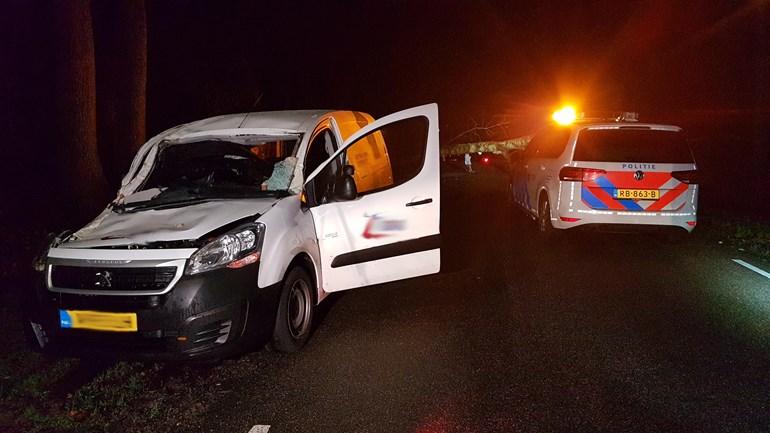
477 59
705 65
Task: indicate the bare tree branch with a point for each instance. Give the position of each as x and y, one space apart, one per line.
476 129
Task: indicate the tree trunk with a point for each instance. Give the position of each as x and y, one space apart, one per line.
75 104
120 28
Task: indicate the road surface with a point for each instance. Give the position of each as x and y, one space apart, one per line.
591 333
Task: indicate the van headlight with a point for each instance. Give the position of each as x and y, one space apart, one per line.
234 249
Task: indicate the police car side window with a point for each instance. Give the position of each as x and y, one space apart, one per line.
548 143
531 150
556 142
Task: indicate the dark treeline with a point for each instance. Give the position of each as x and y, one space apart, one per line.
75 105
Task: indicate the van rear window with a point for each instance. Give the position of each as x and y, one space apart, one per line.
632 145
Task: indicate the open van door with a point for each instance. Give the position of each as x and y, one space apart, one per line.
388 230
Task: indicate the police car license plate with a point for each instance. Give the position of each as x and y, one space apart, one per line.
637 194
97 320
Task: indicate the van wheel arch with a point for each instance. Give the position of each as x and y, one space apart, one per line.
304 261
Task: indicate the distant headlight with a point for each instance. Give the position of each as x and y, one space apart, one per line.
234 249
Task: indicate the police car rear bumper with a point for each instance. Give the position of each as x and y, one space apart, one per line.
630 229
630 221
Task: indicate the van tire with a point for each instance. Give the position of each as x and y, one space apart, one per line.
294 319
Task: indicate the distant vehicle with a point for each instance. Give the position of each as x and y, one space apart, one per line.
489 159
612 174
228 231
478 160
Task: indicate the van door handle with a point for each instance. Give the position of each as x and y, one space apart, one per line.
419 202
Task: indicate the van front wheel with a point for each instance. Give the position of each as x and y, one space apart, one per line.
295 312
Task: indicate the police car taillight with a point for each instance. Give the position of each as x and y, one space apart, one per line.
579 174
687 176
574 174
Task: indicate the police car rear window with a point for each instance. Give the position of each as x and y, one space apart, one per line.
638 145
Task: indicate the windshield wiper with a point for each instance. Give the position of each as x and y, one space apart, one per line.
178 197
152 204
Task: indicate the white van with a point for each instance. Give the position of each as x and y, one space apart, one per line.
228 231
615 174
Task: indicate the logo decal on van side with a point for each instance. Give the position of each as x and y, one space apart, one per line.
379 227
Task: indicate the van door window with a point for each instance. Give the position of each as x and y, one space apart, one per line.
384 158
320 149
389 156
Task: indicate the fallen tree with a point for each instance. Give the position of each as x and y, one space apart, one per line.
499 147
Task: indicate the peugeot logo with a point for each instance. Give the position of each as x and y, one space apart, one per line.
103 279
107 262
639 175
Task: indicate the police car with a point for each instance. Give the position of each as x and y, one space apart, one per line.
613 174
227 233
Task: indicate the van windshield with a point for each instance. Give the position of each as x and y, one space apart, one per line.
215 169
632 145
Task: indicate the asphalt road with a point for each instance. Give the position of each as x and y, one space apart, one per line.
590 333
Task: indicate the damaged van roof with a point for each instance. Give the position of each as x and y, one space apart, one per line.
271 123
296 120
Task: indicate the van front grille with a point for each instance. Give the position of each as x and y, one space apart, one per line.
154 279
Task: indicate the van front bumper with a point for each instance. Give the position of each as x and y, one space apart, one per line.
206 316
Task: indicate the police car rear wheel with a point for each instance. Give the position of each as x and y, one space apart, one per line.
544 226
295 312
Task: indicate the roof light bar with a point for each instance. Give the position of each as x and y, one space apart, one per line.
565 115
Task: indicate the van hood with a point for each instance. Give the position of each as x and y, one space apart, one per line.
158 225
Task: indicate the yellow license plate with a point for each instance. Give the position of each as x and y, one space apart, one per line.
637 194
97 320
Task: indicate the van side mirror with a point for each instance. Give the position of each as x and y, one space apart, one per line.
345 186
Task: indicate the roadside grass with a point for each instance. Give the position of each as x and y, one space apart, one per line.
27 384
128 396
745 234
40 394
